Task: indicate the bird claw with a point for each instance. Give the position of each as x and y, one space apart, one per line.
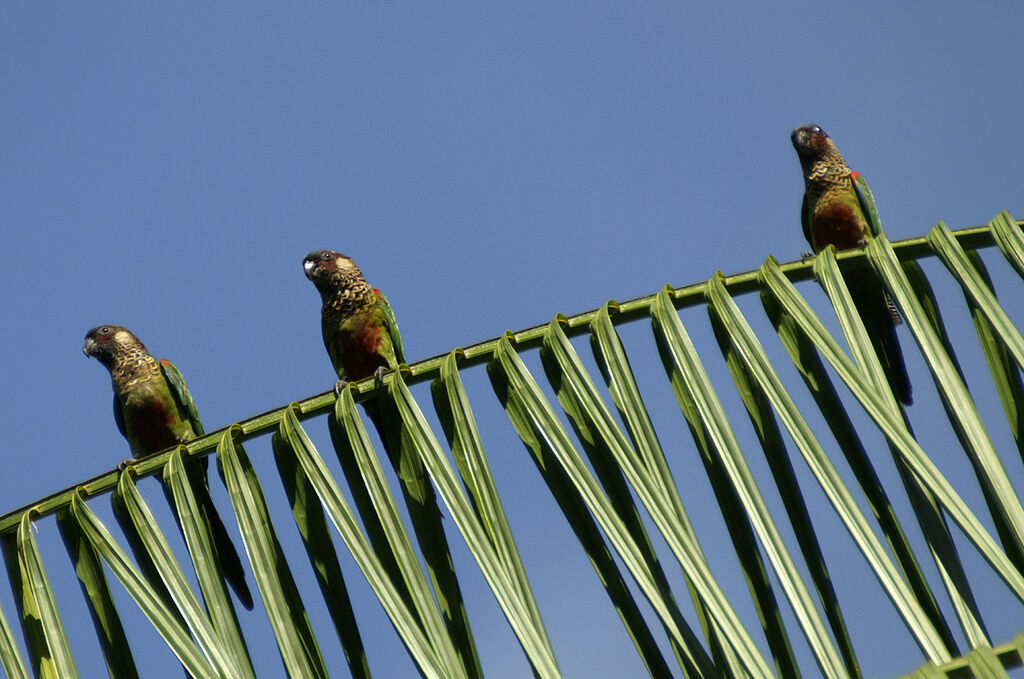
339 386
123 464
378 375
804 256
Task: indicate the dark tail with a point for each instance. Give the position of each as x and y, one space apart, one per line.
230 563
880 320
426 517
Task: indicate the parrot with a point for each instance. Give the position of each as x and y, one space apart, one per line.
362 339
358 325
154 410
838 209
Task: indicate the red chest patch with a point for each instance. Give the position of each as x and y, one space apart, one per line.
150 426
837 225
359 353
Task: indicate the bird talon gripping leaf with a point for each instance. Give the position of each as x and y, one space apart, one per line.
838 209
154 410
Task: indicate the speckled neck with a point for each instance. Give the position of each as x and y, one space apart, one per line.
132 365
828 168
825 175
346 294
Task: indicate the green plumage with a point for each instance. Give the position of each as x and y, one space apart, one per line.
365 343
154 410
357 323
839 209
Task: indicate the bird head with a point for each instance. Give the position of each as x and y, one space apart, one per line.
106 342
811 142
327 268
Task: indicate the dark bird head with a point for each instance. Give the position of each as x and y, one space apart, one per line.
107 343
811 142
330 270
818 153
339 281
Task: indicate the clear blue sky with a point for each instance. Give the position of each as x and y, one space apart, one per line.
488 166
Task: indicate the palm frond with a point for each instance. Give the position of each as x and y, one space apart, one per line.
591 434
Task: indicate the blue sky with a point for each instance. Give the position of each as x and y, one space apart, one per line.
488 166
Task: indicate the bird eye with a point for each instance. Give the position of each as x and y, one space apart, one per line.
325 256
817 130
105 330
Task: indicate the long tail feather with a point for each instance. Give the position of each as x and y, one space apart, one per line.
425 514
880 318
230 562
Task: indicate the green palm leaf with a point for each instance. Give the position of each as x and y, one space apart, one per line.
595 445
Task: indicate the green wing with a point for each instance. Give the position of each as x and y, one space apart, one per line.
392 325
867 203
180 391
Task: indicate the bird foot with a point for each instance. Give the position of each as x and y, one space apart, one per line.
378 375
123 464
804 256
339 385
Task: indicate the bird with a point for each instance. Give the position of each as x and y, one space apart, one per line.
839 209
358 325
362 339
154 410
